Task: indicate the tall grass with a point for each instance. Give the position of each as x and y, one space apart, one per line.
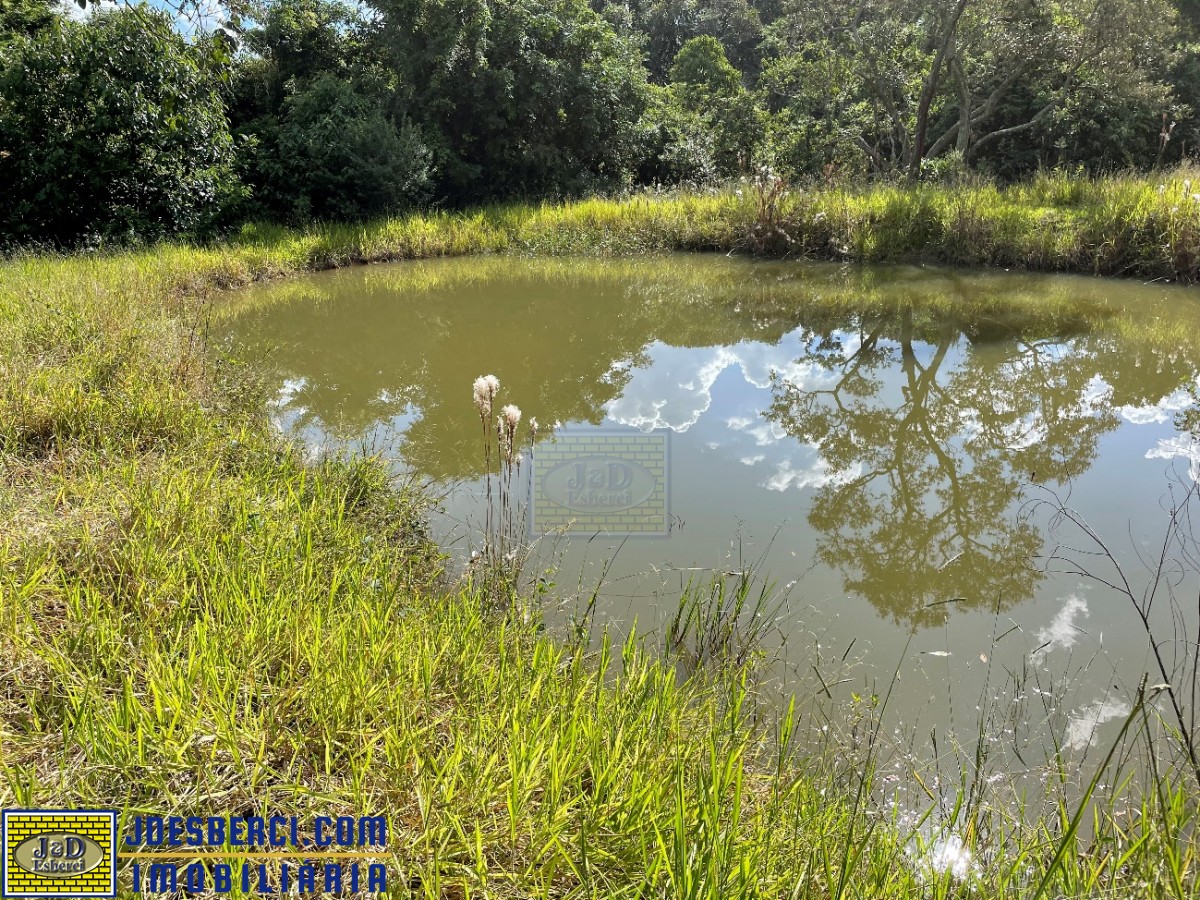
1133 226
196 620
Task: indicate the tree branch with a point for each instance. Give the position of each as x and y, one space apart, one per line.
982 112
931 83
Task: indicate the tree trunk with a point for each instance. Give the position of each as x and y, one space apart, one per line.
964 109
931 85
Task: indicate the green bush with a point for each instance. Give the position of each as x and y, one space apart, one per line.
110 128
519 98
333 155
708 126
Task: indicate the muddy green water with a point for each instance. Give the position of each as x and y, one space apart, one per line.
875 440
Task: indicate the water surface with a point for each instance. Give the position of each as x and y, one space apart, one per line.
878 439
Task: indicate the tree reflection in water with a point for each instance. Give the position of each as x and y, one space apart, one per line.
929 429
929 397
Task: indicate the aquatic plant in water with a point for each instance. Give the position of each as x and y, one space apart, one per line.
504 551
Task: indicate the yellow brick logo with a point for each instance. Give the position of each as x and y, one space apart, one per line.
611 482
59 853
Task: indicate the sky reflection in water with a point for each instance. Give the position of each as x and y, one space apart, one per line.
874 432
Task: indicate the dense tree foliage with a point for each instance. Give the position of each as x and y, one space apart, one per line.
890 85
517 97
25 17
707 124
110 128
320 109
669 24
331 153
311 102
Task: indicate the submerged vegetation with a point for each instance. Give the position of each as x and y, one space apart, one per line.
197 620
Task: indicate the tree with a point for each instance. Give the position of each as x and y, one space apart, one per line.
296 42
669 24
111 128
1069 57
924 77
333 155
25 17
517 97
702 68
312 99
841 82
708 126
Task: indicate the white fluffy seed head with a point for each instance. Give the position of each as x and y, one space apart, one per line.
483 392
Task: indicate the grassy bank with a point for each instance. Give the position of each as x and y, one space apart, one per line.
1127 226
194 620
1136 227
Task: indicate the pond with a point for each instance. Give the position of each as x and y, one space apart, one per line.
886 445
